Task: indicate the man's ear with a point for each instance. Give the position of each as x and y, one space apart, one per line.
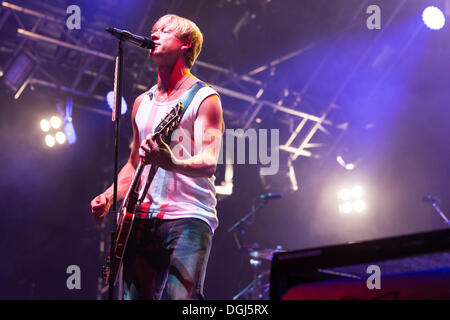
186 45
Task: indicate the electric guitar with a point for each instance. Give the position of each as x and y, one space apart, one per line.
126 213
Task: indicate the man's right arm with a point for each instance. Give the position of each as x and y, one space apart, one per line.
100 205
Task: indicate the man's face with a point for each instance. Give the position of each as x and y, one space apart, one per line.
167 44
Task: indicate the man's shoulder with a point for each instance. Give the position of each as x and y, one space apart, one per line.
145 93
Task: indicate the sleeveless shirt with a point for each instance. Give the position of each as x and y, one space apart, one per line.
173 195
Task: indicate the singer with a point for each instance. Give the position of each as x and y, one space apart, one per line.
169 245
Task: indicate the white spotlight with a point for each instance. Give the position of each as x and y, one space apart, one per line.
111 102
352 200
60 137
55 122
349 166
49 140
357 192
433 18
45 125
340 160
346 207
359 205
344 194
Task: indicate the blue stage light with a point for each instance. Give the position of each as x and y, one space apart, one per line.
110 100
69 130
433 18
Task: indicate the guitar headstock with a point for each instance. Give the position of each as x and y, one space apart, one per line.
170 121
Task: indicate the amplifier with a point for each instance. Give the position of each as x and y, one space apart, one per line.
415 266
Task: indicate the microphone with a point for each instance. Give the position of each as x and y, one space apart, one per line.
143 42
270 196
430 198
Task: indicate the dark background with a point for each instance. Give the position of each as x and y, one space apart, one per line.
390 86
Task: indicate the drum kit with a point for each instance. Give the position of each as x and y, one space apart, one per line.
258 288
260 258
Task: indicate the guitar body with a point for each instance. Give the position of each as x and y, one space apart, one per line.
123 233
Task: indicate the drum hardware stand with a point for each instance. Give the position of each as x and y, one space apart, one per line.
435 202
255 286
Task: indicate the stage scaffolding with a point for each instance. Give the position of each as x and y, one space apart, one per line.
46 29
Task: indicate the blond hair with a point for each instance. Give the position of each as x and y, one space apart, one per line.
188 32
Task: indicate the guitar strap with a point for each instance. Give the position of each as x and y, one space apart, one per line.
185 101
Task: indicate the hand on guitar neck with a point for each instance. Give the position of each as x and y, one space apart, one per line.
158 154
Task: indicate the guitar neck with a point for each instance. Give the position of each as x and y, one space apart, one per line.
133 184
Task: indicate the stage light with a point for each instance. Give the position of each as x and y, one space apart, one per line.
50 140
45 125
50 127
340 160
69 129
60 137
55 122
359 205
347 166
357 192
346 207
19 72
433 18
111 102
351 200
344 194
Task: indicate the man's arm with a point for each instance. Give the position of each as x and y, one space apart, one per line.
208 130
100 205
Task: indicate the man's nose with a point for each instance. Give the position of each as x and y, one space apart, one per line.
155 35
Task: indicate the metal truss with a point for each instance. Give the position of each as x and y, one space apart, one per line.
304 126
97 60
98 75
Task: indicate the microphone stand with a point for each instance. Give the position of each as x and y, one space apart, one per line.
248 215
118 109
145 43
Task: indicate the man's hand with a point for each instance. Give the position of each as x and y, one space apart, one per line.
157 154
100 206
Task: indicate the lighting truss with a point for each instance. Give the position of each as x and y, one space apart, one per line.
256 103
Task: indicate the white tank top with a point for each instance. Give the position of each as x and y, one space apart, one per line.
174 195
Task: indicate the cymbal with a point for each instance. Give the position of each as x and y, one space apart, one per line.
264 254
